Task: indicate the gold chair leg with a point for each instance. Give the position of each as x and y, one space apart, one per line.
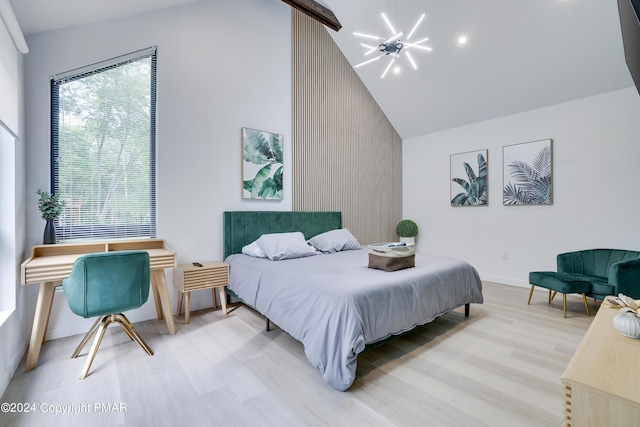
551 296
101 325
564 304
586 306
530 294
117 319
86 338
126 324
96 344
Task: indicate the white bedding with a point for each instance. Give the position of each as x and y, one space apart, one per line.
334 304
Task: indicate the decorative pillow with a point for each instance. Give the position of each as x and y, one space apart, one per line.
278 246
334 241
252 249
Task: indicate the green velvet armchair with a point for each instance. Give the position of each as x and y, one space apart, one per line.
105 285
593 273
608 271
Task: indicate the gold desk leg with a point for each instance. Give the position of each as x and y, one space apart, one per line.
159 281
40 321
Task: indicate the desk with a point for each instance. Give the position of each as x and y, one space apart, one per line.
49 264
601 387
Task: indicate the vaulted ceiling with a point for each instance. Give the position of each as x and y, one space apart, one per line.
520 55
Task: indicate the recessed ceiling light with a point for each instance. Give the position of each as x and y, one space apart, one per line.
462 40
396 70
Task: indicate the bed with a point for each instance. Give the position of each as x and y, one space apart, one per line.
333 303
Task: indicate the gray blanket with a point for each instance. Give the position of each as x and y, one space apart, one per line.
335 305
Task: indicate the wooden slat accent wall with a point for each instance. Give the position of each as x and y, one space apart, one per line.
346 155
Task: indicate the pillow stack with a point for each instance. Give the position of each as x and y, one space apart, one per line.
280 246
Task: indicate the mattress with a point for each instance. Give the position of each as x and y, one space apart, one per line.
335 305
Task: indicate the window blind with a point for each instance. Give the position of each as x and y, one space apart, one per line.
103 148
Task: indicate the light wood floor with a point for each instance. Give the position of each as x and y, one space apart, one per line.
499 367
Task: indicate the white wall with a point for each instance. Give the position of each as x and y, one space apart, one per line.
222 65
12 229
596 155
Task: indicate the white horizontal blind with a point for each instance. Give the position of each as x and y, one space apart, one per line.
103 148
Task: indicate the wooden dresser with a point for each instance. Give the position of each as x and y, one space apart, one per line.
602 380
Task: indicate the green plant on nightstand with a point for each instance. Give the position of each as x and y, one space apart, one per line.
407 231
50 207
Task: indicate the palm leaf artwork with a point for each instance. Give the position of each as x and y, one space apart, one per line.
262 165
475 187
530 183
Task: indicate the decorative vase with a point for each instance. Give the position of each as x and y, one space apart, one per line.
627 324
49 233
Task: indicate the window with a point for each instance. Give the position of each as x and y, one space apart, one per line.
8 232
103 148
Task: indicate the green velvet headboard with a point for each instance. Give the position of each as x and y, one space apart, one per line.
243 227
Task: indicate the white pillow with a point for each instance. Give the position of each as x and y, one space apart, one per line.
252 249
335 241
278 246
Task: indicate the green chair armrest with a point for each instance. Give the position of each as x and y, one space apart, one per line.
625 277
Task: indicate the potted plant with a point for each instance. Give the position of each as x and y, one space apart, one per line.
407 231
50 207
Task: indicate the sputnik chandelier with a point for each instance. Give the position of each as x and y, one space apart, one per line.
392 46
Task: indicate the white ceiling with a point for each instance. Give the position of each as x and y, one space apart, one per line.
521 54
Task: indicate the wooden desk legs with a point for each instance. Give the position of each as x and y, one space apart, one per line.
159 284
40 321
45 301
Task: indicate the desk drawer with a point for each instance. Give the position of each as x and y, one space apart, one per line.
188 278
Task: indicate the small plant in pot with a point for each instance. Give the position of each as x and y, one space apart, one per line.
407 231
50 207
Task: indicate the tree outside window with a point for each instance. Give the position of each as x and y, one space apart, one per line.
103 151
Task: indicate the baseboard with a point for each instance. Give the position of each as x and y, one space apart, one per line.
505 280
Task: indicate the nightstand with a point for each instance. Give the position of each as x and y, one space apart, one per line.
212 275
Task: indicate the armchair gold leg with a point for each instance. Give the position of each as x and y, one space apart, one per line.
133 334
530 294
86 338
116 318
94 347
102 325
551 297
586 306
564 304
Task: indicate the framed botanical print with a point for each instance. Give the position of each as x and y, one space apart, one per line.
469 174
262 165
526 173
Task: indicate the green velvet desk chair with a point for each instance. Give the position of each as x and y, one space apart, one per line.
104 285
